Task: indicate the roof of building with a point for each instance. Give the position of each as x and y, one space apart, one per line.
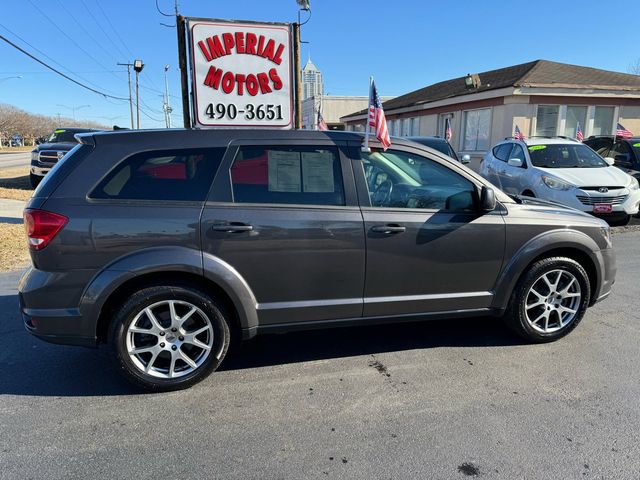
539 73
310 66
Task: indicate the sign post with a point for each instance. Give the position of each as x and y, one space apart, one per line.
242 74
182 64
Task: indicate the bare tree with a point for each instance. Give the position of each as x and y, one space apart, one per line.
31 126
634 67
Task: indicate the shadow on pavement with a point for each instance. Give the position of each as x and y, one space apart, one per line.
29 366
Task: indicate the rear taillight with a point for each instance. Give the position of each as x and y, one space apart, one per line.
42 226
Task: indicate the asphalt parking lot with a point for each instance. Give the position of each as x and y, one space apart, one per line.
445 400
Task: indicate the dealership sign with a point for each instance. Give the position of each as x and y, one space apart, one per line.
242 74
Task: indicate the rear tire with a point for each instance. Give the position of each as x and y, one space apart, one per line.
34 180
169 337
549 300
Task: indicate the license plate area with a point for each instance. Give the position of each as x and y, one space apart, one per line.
602 208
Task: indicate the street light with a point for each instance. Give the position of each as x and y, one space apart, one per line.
138 66
73 109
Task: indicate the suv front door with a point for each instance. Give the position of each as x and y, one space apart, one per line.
285 216
429 249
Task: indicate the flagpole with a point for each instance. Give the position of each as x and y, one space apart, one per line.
365 147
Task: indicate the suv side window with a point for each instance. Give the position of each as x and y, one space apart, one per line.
399 179
287 175
517 152
501 152
620 148
183 175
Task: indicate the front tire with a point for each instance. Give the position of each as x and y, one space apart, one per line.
34 180
169 337
549 300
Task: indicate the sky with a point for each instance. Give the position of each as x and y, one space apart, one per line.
404 44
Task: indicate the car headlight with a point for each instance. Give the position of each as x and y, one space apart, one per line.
634 184
556 183
34 155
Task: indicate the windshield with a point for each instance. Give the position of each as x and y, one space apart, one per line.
565 156
64 136
636 148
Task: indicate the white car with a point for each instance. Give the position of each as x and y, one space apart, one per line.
563 171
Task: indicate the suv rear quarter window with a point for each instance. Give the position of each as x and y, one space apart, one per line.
287 175
170 175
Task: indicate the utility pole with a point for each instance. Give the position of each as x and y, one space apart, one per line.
182 63
138 66
167 107
129 65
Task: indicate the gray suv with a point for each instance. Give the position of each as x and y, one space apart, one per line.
169 244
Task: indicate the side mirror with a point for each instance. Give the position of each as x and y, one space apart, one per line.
515 162
610 161
466 158
487 199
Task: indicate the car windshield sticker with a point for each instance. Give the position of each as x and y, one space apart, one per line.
533 148
636 145
59 131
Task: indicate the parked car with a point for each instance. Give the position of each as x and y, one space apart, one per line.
170 244
624 151
563 171
442 145
47 154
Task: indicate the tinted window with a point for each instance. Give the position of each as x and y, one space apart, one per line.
65 136
501 152
162 175
565 156
517 152
289 175
403 180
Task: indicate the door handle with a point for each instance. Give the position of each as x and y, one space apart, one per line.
233 227
389 229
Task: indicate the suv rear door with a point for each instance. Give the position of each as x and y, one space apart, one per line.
285 215
428 247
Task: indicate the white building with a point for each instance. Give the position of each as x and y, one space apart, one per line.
541 98
311 81
333 107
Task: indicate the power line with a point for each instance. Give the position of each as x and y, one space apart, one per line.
47 56
105 95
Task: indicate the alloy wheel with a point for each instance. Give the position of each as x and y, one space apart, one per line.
169 339
552 301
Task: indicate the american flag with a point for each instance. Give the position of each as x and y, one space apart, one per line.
447 129
579 135
518 135
322 125
623 132
377 120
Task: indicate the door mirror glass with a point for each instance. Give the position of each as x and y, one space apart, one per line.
466 158
487 199
515 162
610 161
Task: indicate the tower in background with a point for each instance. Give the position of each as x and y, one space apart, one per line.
311 81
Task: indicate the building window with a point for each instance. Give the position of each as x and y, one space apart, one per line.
603 121
547 120
575 115
477 129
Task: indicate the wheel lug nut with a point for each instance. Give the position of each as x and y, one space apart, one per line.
162 345
162 334
174 329
173 347
181 338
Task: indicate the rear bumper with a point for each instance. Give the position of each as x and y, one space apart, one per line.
43 298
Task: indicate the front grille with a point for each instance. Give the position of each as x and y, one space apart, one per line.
598 188
48 156
617 200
